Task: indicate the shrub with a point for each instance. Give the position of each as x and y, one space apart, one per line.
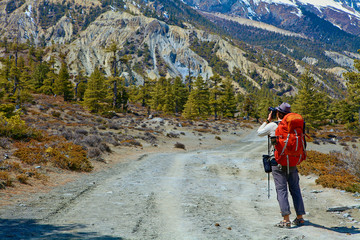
179 145
173 135
82 131
35 174
4 143
102 127
111 140
68 134
130 142
7 109
94 152
32 152
70 156
15 166
203 130
104 147
92 140
55 114
332 171
108 114
5 179
22 178
56 151
16 128
114 126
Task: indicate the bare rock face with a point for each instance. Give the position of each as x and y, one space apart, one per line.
20 23
170 42
62 32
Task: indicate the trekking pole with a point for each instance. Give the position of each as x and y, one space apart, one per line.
268 185
268 172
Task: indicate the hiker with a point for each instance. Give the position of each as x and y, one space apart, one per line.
284 176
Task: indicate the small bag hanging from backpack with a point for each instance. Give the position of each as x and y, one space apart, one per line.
269 160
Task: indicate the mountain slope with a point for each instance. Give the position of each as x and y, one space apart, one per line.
288 13
158 40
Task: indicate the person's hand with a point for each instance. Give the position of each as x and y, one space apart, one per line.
269 117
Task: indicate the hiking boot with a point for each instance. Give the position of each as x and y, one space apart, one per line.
283 224
298 222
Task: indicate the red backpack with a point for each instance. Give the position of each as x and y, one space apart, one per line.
290 142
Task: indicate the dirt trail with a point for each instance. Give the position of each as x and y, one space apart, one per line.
205 194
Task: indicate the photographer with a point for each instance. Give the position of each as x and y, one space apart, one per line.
284 176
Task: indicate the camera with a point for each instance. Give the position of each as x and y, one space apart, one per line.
273 110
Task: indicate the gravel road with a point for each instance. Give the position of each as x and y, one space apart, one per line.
206 194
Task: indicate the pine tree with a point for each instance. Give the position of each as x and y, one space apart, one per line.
49 80
215 93
39 75
158 94
5 84
202 97
309 102
265 99
80 86
198 102
122 96
249 105
168 101
125 60
48 84
191 110
353 87
343 111
14 76
25 79
180 94
95 93
113 48
227 99
63 86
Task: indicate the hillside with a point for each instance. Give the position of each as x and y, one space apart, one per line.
159 44
286 14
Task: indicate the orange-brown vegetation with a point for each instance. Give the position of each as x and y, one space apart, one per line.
55 151
332 170
5 179
22 178
204 130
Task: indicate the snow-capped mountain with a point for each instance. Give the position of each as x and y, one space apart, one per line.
289 14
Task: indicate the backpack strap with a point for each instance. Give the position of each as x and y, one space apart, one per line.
287 140
297 140
288 164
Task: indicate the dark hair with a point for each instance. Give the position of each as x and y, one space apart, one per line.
281 115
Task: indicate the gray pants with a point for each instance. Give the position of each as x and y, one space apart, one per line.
282 180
